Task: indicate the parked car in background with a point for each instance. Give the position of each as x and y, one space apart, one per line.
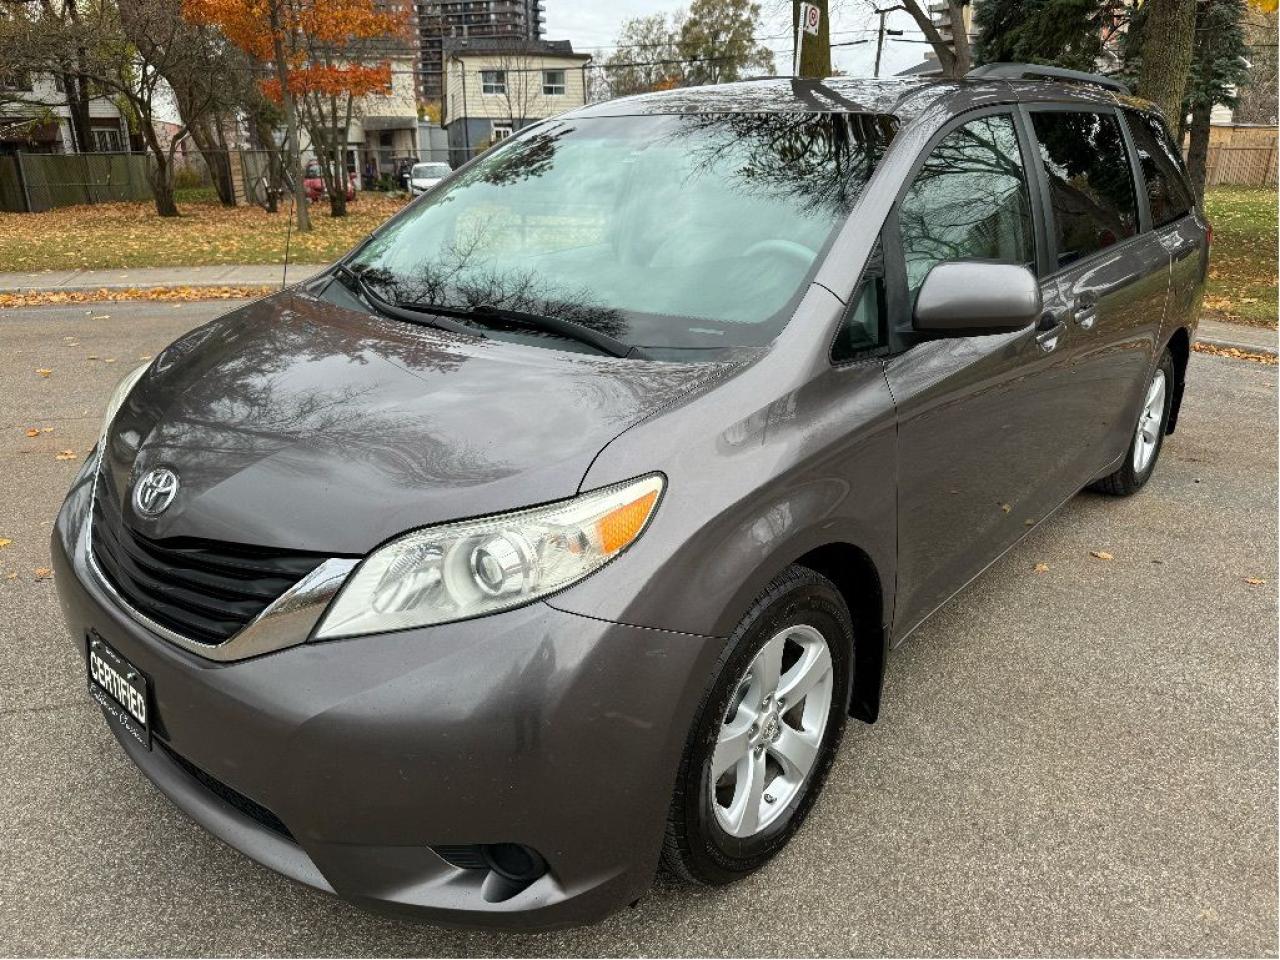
424 176
558 529
314 183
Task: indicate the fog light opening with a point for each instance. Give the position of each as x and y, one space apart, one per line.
509 868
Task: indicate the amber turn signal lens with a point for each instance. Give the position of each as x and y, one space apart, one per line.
623 524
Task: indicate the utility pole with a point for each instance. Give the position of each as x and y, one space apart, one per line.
880 38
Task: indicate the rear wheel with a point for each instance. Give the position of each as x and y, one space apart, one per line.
766 732
1144 450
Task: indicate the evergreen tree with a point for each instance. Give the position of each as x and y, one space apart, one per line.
1062 33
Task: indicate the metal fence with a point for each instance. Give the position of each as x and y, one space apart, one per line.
32 182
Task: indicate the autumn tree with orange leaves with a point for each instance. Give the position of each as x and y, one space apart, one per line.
319 57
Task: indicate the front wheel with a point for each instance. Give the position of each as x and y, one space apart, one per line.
1148 437
766 732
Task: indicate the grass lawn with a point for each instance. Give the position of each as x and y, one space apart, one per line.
1242 267
119 235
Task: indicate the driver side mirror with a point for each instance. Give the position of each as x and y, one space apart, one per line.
963 298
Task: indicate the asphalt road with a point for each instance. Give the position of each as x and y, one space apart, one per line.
1081 761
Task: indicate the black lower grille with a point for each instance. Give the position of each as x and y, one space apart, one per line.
204 590
233 797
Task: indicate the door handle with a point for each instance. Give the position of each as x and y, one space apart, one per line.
1048 330
1086 311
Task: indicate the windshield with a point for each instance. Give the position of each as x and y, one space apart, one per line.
675 232
430 171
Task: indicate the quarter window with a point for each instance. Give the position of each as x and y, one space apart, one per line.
493 81
1167 190
1090 180
968 202
553 83
864 321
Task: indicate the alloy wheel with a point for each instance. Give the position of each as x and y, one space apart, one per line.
772 731
1150 423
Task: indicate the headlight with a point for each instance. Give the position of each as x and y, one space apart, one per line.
456 571
117 401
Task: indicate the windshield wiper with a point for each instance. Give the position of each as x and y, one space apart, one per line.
353 281
569 329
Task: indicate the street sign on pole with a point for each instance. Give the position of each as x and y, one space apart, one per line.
808 22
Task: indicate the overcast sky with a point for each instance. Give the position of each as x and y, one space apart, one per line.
594 24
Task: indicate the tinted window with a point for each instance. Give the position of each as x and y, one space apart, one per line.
968 202
667 232
1090 181
1167 188
863 326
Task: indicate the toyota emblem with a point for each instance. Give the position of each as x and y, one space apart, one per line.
153 494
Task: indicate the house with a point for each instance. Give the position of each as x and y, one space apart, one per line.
493 86
35 118
384 128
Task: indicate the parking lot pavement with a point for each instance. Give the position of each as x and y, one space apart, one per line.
1078 761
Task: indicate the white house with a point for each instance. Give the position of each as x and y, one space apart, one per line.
493 86
35 118
384 127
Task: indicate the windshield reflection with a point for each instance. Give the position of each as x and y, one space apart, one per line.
677 231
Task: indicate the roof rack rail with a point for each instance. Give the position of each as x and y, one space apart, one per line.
1036 71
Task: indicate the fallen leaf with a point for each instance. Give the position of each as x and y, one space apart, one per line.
65 455
43 573
46 429
1005 507
92 356
4 542
1251 581
1041 568
12 576
1101 554
44 373
1028 523
109 360
33 432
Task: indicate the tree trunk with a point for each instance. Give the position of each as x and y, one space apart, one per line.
1198 147
959 39
1166 56
161 177
942 48
218 162
292 149
815 52
266 136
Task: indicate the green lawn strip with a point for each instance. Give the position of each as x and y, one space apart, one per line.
1242 269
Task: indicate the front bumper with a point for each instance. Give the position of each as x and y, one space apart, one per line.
534 726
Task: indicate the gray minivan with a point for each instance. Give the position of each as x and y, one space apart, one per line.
556 531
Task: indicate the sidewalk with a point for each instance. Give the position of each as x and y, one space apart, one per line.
219 276
1238 335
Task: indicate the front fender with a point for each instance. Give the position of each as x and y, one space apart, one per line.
747 494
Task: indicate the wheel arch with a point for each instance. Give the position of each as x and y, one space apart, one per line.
1179 347
854 574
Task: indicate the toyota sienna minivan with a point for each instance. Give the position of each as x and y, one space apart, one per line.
554 533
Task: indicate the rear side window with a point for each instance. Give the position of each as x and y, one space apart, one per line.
968 202
1090 180
1167 189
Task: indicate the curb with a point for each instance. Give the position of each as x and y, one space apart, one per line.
1269 351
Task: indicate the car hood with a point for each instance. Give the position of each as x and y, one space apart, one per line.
295 423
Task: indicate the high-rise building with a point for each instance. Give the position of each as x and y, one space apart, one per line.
438 19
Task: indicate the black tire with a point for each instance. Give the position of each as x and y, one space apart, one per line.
1127 481
697 849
